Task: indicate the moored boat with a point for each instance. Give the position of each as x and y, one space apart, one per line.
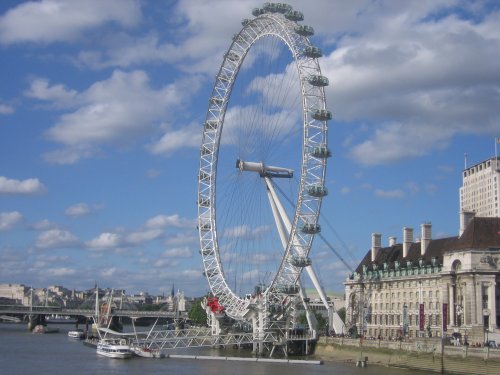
76 334
146 352
39 328
114 348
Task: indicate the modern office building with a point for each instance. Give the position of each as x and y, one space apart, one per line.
480 191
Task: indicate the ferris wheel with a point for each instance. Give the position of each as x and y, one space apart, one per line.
262 166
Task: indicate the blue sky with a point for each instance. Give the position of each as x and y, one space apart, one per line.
101 106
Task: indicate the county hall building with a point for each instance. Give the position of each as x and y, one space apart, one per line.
430 287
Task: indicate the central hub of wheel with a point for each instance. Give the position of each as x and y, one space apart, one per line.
264 170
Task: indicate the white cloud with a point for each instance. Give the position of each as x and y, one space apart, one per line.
179 252
50 21
59 94
171 141
106 241
345 190
60 271
6 109
114 109
31 186
397 193
109 240
124 51
70 155
201 37
108 272
139 237
165 221
79 209
44 224
182 239
416 79
56 238
238 231
117 111
166 262
8 220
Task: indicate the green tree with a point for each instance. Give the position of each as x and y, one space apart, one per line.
342 313
197 314
322 322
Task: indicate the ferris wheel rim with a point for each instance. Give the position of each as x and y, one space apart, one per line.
312 168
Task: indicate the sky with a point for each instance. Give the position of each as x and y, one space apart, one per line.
101 112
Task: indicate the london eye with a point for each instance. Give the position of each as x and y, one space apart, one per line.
261 177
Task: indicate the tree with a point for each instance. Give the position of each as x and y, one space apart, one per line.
342 313
197 314
322 322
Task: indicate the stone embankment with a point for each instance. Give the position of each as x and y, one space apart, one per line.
421 354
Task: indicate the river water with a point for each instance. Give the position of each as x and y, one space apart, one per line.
22 352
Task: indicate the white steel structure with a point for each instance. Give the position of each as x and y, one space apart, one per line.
271 118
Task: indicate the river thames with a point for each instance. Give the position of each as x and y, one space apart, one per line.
22 352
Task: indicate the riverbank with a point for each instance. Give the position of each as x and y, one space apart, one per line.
460 361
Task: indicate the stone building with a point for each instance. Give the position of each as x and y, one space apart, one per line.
16 293
429 287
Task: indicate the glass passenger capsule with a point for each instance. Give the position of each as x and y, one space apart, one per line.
313 52
245 22
322 115
317 191
277 7
300 261
318 81
321 152
205 227
304 30
294 15
310 228
257 12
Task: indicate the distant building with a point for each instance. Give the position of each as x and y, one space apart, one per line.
429 287
15 292
480 191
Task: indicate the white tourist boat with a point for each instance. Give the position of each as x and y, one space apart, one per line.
76 334
114 348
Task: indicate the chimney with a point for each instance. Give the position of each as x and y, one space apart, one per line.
376 245
392 241
426 237
465 219
407 240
